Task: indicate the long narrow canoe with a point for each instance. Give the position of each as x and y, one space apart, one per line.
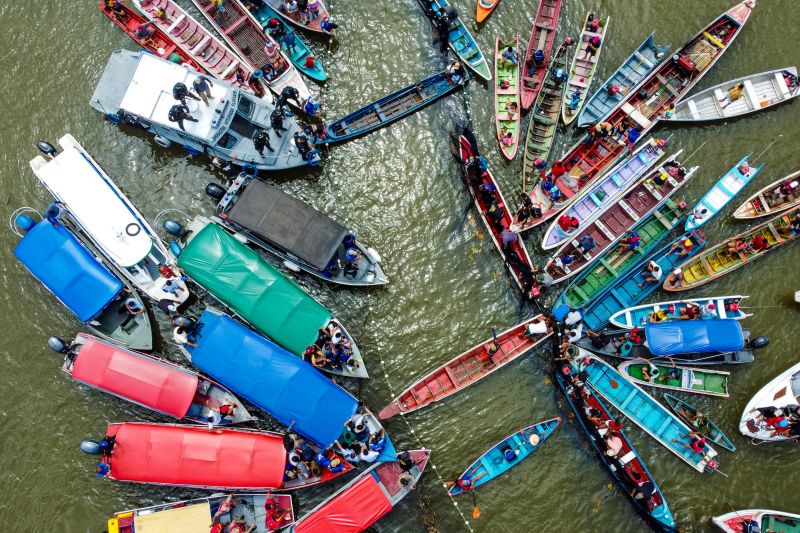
760 91
583 68
628 462
722 192
644 410
543 35
625 79
779 393
775 521
468 368
724 307
719 261
484 9
495 461
312 26
701 423
678 378
391 108
774 198
507 113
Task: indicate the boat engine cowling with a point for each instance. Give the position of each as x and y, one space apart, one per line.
215 191
759 342
46 148
175 248
173 228
92 447
24 223
58 345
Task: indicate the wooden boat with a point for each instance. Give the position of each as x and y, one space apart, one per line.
722 192
495 461
688 413
365 499
507 113
761 91
678 378
161 44
460 40
543 35
640 203
718 261
625 79
628 463
295 19
644 410
391 108
772 199
640 315
468 368
779 393
484 9
583 68
735 521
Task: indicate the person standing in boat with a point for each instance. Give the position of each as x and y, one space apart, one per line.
202 86
261 141
180 92
288 93
144 33
276 121
455 73
132 308
178 113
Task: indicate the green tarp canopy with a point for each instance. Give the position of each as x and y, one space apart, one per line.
272 303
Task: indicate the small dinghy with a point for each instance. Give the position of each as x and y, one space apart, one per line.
677 378
507 112
584 65
698 421
774 198
540 46
484 9
713 307
314 24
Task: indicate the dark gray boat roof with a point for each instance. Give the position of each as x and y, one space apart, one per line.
288 222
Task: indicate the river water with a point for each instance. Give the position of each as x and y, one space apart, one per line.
400 190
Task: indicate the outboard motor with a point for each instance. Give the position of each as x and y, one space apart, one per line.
175 228
92 447
214 190
24 223
58 345
47 149
759 342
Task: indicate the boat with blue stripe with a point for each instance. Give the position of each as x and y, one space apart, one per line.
712 307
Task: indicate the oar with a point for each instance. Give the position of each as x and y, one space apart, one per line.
476 513
765 150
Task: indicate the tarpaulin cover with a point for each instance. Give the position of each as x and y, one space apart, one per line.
274 380
694 336
254 289
196 456
57 259
137 377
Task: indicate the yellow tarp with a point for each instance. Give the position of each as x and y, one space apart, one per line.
192 519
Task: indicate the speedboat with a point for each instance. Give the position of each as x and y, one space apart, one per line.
782 393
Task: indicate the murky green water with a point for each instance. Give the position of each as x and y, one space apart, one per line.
400 190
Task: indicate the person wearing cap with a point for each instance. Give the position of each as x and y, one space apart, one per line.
326 24
181 337
180 93
276 121
455 73
592 46
643 489
684 245
202 86
261 141
697 216
144 33
132 308
651 274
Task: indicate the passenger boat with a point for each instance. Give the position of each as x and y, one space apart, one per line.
724 307
365 499
304 238
774 198
188 456
722 192
148 381
643 61
644 410
678 378
628 462
719 261
136 90
80 280
313 26
707 427
391 108
484 9
583 68
760 91
469 367
259 293
507 113
781 392
292 391
495 461
197 514
461 41
543 35
735 521
90 203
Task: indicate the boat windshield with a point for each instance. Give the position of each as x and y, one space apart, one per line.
794 383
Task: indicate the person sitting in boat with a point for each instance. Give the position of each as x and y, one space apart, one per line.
621 131
132 308
690 312
560 266
634 134
683 247
512 109
351 258
613 444
568 224
650 372
534 62
115 6
790 231
455 73
593 415
603 130
328 459
737 246
675 278
651 274
180 93
733 94
377 441
643 488
631 242
575 99
326 24
634 335
508 57
536 328
507 139
587 244
759 243
697 441
658 316
523 214
178 113
467 480
301 142
575 334
598 340
144 33
274 27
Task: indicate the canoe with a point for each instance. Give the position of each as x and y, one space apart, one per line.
772 199
679 378
644 410
150 382
718 261
642 202
391 108
484 9
295 19
687 412
581 399
365 499
515 255
625 79
589 204
460 39
776 521
761 91
494 462
543 35
167 516
161 44
778 393
640 315
582 70
466 369
507 120
722 192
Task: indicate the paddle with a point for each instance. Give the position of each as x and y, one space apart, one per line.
476 513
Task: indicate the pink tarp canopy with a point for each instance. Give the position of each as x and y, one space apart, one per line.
352 511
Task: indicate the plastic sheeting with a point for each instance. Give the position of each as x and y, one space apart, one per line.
694 336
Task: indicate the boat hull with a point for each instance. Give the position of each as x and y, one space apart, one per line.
543 35
582 70
505 120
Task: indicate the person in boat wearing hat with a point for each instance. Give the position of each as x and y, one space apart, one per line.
178 113
328 459
575 99
683 247
675 278
592 46
568 224
261 141
326 24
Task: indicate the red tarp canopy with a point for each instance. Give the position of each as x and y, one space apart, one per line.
352 511
135 377
196 456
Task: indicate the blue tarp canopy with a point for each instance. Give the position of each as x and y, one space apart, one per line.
271 378
57 259
694 336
